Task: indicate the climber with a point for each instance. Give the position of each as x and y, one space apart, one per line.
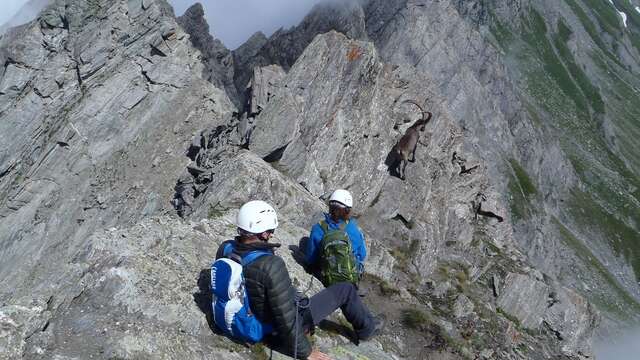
326 251
283 314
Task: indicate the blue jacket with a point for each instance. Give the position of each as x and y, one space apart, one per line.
353 232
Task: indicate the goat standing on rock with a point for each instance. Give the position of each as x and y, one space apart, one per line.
407 144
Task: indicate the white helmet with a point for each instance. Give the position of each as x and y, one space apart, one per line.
343 197
256 217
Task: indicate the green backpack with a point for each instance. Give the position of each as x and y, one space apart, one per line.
336 258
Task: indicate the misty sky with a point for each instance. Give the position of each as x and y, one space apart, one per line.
9 8
231 21
234 21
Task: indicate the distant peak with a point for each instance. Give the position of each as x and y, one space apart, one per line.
195 11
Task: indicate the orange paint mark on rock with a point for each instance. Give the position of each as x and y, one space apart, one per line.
354 53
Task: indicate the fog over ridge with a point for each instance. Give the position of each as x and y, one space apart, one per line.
234 21
620 347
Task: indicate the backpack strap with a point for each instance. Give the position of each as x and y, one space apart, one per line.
253 256
230 254
242 260
325 226
228 249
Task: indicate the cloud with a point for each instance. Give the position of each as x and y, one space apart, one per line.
20 12
620 347
234 21
9 9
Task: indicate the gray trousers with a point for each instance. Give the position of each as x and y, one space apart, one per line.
342 296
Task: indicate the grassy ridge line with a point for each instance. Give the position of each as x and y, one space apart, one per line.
559 87
633 21
584 133
591 261
535 36
591 29
624 240
591 92
521 191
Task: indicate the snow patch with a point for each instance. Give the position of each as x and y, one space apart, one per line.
638 9
622 14
624 18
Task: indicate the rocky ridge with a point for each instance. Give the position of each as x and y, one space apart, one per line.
127 93
448 181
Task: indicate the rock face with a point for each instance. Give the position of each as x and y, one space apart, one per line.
440 221
524 298
285 46
132 137
98 102
217 59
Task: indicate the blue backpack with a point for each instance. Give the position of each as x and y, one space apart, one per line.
231 310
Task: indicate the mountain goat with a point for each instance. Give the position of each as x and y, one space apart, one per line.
407 144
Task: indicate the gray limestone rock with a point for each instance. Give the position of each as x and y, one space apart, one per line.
462 307
286 45
115 115
534 304
218 60
243 58
570 316
93 98
264 85
525 299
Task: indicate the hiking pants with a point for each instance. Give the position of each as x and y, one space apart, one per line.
344 296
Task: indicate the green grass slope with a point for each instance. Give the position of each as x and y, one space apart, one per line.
593 105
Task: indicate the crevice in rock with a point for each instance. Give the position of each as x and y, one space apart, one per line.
462 162
495 285
555 332
146 58
49 303
376 199
153 82
490 214
194 149
37 92
553 299
11 61
464 170
275 155
146 77
157 52
477 206
78 75
7 170
407 223
65 22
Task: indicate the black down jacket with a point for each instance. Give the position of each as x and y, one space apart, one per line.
272 296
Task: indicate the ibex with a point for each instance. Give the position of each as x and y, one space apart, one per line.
409 141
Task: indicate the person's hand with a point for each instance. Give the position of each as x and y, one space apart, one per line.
317 355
